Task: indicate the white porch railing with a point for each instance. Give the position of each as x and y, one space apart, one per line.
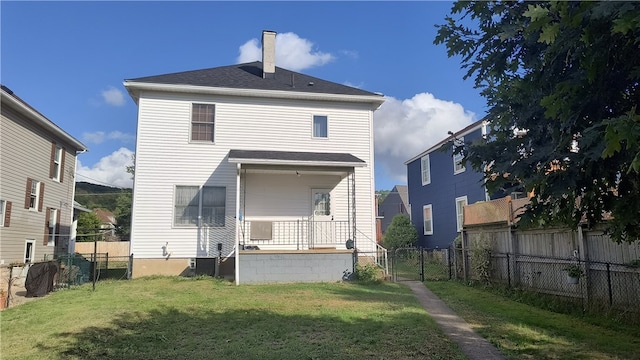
303 234
379 255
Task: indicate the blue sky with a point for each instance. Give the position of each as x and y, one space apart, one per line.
69 59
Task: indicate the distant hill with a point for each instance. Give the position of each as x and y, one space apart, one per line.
94 196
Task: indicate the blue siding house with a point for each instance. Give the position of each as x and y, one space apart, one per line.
439 186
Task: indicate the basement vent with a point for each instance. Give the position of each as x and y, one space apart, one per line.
192 263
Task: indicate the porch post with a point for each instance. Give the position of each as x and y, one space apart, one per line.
237 218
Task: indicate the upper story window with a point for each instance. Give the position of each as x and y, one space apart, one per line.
320 126
461 202
203 122
57 155
425 170
427 219
34 195
458 166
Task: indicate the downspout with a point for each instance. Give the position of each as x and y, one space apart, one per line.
237 242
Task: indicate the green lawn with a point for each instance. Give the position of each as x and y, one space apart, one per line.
203 318
522 331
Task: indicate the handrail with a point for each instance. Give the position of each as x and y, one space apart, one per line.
379 248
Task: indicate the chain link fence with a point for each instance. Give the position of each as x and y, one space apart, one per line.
421 264
78 269
595 286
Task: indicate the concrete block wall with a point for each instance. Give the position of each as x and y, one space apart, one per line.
260 267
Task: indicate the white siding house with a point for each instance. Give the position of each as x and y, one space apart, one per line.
250 159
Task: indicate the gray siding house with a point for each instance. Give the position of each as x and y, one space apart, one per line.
38 161
396 202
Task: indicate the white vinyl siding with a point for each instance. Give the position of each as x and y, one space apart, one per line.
460 204
425 170
240 123
427 219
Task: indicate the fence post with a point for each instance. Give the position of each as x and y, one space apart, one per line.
514 261
422 264
508 271
451 248
609 285
130 267
583 256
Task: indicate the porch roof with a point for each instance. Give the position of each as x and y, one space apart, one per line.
266 157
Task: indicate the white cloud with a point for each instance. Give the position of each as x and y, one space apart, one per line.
110 170
113 96
99 137
350 53
405 128
93 138
292 52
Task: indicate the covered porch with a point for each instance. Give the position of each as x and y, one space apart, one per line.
293 206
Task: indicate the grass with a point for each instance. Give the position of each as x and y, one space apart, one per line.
523 331
179 318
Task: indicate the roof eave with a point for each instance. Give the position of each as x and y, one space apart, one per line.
42 121
295 162
134 88
463 132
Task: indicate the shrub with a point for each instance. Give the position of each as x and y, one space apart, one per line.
367 273
400 233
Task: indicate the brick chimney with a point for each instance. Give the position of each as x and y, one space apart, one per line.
268 54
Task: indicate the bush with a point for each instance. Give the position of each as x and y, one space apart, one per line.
367 273
400 233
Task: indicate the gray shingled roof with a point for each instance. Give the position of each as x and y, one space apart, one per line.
296 156
249 76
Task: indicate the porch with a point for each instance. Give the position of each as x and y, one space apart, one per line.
301 234
297 215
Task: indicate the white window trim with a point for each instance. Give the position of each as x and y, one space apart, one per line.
313 136
428 170
460 216
457 158
36 203
53 214
430 232
190 135
33 250
3 209
57 159
200 217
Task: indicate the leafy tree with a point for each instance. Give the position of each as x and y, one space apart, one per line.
88 227
400 233
561 81
131 169
382 194
123 214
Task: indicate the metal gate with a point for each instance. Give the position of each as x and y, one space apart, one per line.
421 264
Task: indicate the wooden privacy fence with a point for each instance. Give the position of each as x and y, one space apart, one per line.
494 251
113 248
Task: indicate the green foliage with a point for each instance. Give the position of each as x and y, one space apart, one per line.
88 227
400 233
574 270
567 74
481 259
122 213
382 194
93 196
367 273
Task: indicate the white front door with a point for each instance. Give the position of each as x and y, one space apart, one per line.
321 227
